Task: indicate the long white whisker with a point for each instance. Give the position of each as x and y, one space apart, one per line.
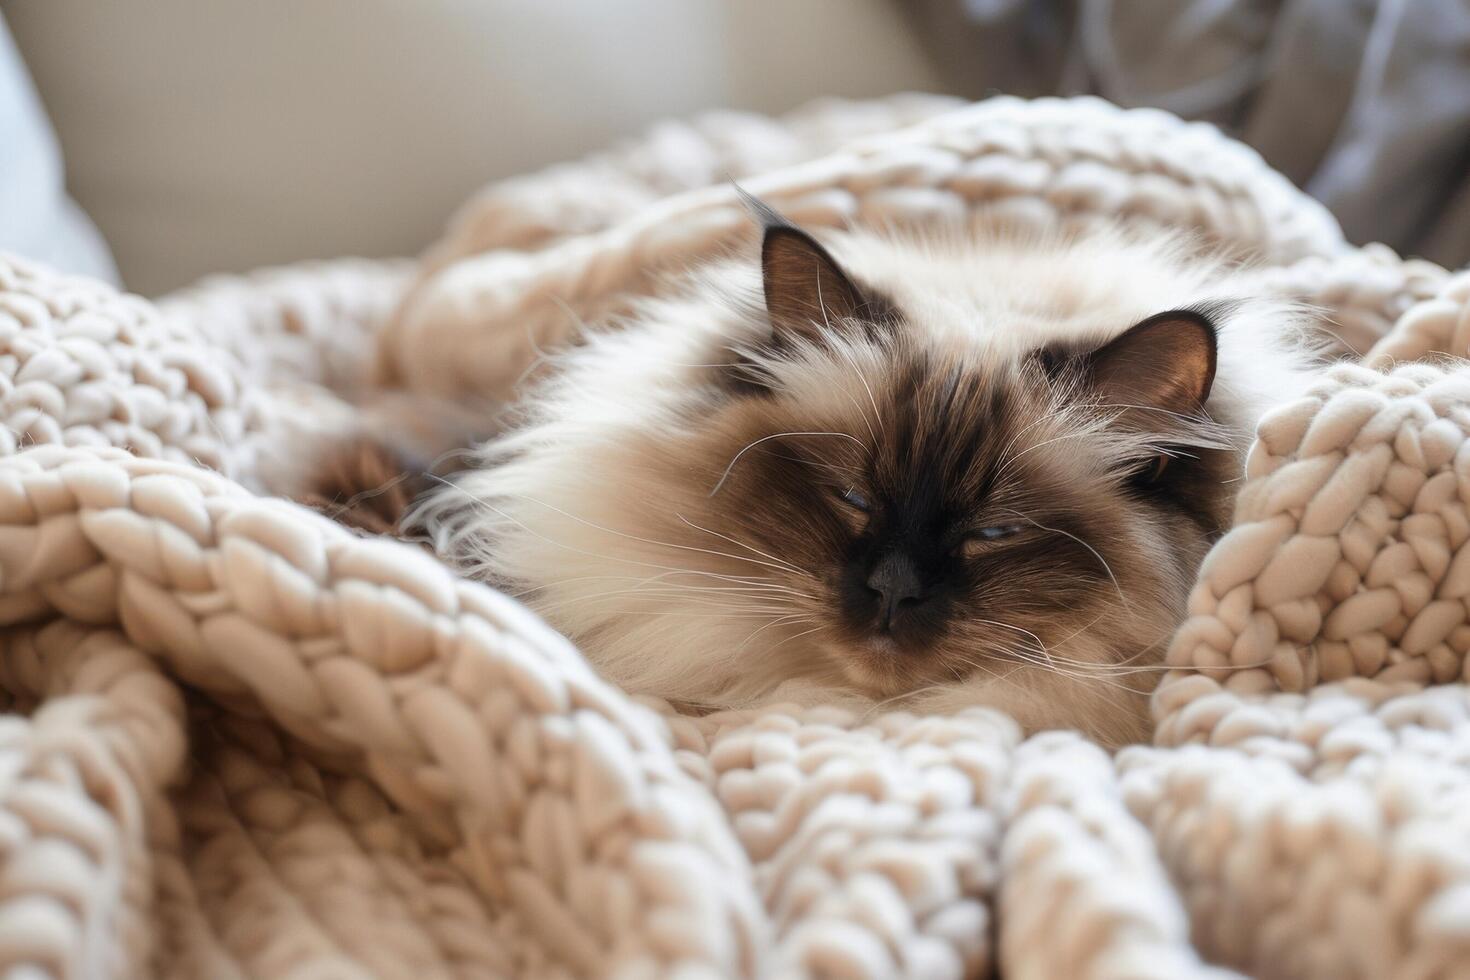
1003 455
878 705
1018 629
573 550
756 584
776 435
846 356
877 415
795 637
756 604
1045 442
783 621
743 603
1067 534
643 540
742 544
1029 657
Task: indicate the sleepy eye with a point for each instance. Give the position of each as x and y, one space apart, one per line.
854 498
1148 473
977 542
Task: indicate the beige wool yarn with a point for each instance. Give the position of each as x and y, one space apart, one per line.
243 741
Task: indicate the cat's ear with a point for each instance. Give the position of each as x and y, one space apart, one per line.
1163 364
806 290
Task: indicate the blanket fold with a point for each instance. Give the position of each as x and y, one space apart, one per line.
242 741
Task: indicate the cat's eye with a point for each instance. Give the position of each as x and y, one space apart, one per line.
855 499
978 542
1151 471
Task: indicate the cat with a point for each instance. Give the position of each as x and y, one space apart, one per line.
969 468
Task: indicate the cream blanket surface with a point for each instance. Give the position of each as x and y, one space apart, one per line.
241 740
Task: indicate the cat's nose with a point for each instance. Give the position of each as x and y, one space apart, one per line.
895 580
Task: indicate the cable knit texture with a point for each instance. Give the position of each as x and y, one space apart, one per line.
241 740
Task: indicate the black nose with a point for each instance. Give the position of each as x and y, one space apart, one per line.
895 579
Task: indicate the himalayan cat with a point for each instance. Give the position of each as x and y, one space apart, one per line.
970 469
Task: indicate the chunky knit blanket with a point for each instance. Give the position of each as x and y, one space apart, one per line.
241 740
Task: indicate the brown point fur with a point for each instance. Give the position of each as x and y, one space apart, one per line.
363 485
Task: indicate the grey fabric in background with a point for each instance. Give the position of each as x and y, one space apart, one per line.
1363 103
37 218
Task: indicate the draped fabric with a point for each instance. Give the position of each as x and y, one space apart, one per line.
1364 104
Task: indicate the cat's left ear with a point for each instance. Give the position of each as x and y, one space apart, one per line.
1163 364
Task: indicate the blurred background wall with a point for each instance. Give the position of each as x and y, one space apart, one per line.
219 135
209 135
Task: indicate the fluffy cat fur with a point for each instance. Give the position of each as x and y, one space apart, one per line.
709 498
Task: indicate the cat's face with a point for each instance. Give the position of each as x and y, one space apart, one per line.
942 514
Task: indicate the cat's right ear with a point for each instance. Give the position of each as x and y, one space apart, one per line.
807 293
808 298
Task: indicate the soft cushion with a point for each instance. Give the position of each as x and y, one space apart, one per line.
37 219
